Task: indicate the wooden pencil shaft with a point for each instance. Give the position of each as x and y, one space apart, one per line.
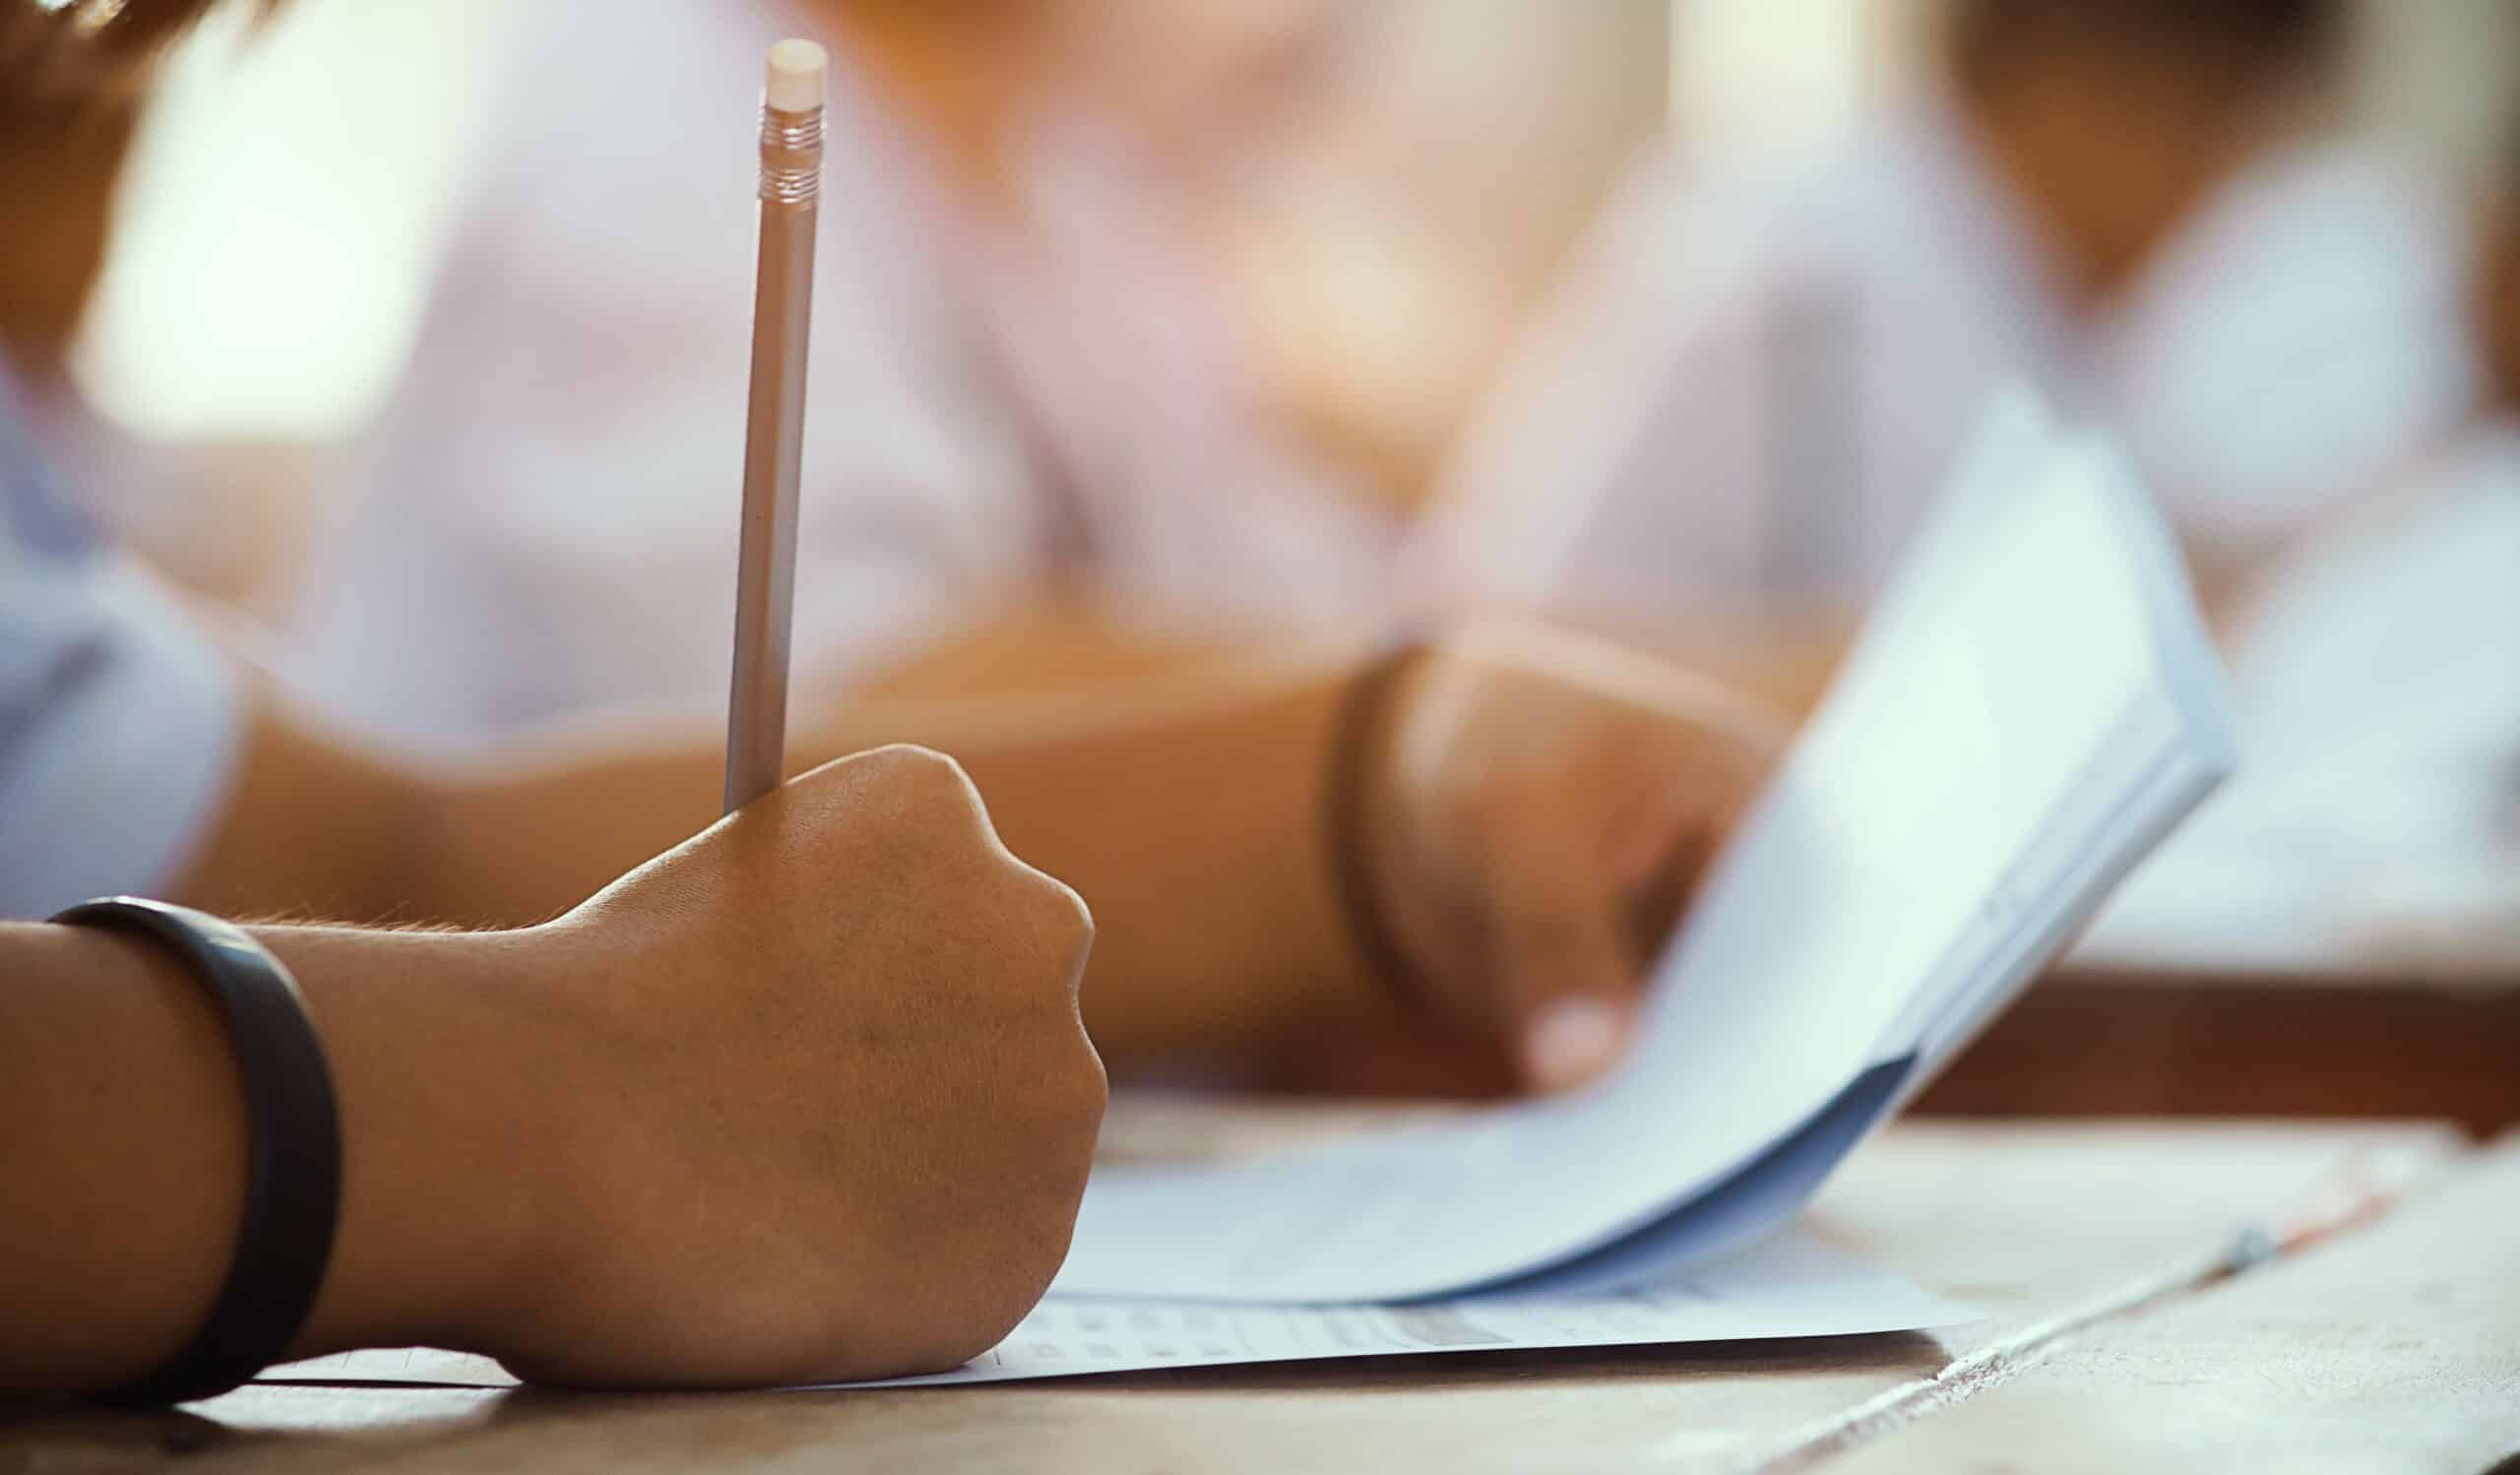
774 441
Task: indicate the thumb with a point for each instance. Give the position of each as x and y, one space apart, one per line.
1567 980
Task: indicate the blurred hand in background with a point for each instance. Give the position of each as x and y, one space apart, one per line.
1550 804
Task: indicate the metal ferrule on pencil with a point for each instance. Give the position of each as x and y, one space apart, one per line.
791 157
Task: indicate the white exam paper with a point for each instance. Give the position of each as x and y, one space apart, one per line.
1786 1287
1790 1286
2032 707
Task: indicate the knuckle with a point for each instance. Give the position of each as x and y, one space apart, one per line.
1065 1095
889 760
1062 1107
1092 1087
1050 909
1064 913
928 800
923 770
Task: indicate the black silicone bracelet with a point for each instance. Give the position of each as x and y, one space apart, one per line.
292 1157
1356 742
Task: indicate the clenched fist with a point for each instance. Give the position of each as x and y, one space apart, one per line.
817 1097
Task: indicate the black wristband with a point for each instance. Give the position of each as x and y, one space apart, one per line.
1355 740
292 1157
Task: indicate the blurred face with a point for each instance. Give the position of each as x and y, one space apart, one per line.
2110 147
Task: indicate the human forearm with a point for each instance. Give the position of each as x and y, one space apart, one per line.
1182 807
81 1138
1558 795
126 1147
1192 829
1043 642
313 825
1183 810
730 1122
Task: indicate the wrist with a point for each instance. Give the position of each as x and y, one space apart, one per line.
1362 824
117 1291
444 1183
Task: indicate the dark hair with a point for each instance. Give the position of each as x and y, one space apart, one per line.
2254 37
54 55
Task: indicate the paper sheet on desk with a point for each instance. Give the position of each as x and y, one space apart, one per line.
2032 707
1788 1287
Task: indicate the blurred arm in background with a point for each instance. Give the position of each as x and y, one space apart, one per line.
1536 808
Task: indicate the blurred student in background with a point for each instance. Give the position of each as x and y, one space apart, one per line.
2375 671
2386 648
1022 379
1751 388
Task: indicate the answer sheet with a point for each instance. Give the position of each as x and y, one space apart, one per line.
1792 1286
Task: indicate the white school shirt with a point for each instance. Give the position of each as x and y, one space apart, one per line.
545 520
1749 390
2375 685
118 722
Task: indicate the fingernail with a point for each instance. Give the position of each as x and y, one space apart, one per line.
1572 1041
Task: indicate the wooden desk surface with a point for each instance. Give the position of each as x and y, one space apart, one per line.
2394 1349
2415 1323
2369 1040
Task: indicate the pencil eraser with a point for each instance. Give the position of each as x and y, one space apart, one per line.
797 76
